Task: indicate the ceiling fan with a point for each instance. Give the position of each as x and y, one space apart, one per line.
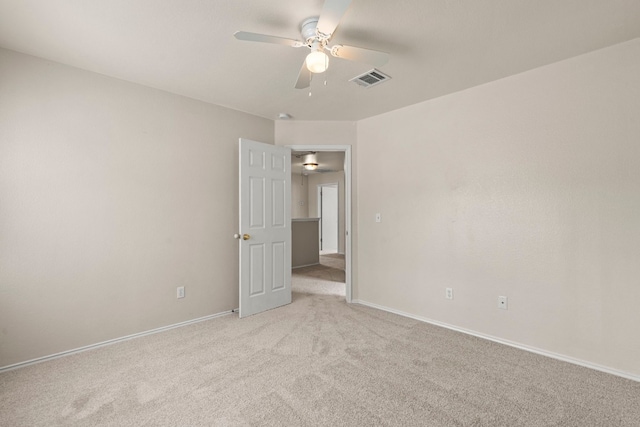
316 33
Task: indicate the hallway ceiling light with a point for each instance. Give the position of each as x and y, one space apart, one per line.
310 162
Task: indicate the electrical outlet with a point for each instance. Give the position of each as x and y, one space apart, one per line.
448 293
502 303
180 292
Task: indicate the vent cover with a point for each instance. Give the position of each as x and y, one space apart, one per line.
370 78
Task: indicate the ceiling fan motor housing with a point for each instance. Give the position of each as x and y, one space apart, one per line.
308 29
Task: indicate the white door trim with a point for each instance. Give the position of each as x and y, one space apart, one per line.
347 205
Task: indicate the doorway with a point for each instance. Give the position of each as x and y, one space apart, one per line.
343 235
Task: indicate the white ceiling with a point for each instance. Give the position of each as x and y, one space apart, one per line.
328 161
436 46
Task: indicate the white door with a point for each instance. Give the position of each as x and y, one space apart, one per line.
329 218
265 227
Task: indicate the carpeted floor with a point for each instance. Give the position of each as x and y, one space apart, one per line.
326 278
315 362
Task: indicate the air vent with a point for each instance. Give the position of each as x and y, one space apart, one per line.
370 78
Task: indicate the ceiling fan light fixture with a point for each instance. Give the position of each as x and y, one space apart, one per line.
317 62
310 162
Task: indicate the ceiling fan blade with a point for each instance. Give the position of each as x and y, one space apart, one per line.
304 77
331 14
359 54
263 38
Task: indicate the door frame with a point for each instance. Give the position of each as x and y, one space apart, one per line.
347 206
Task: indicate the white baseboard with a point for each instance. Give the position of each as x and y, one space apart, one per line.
112 341
546 353
306 265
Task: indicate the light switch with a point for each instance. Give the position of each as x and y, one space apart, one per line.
378 217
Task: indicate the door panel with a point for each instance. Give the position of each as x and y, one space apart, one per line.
279 266
265 216
279 191
256 263
256 203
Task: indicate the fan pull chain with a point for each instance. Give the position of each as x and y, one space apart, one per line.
326 66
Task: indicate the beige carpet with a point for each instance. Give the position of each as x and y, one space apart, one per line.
326 278
315 362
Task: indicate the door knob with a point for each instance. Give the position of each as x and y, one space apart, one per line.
246 237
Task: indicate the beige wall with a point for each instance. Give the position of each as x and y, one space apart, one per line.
305 240
526 187
302 132
112 195
299 193
328 178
